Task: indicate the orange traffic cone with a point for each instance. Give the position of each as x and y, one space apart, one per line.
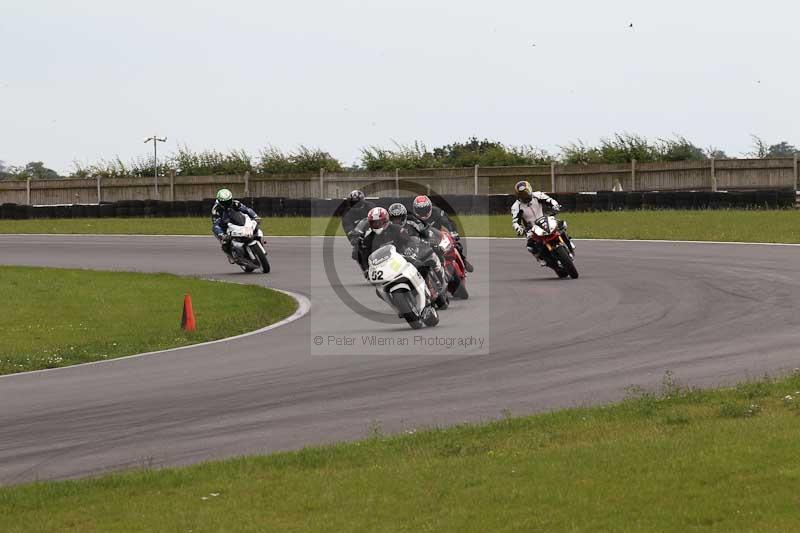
187 320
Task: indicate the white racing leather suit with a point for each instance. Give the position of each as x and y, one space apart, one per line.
523 215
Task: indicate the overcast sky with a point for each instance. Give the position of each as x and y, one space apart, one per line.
85 80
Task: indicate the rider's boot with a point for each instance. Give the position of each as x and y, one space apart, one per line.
226 249
535 253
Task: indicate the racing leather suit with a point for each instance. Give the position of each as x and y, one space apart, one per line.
439 220
523 215
354 213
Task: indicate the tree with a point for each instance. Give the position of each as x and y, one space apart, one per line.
473 152
782 149
760 149
36 170
404 157
621 148
679 149
716 153
305 159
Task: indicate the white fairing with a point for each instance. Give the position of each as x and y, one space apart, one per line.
552 224
389 271
248 230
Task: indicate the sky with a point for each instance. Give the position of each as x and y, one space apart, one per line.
90 80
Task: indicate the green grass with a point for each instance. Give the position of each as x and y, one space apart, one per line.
60 317
675 460
718 225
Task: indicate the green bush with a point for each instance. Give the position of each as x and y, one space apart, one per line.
304 160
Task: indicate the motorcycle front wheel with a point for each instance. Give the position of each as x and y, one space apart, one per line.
262 258
403 299
566 262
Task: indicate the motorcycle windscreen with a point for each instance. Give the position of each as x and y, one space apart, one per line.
380 255
237 218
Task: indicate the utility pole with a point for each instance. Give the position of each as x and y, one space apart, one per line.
155 139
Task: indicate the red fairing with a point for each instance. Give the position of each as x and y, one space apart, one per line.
453 260
547 238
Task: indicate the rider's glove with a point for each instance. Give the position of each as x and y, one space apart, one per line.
519 229
257 218
555 206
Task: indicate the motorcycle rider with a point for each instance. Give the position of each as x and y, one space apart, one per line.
383 231
398 214
221 214
356 208
530 206
425 212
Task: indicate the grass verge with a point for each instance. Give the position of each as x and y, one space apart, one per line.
60 317
675 460
717 225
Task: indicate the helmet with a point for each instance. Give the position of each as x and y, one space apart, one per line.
378 218
398 214
524 191
225 198
355 196
423 207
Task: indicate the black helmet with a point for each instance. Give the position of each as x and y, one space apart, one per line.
355 196
398 214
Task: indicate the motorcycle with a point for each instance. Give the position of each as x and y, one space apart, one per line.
247 243
557 252
425 254
453 262
398 283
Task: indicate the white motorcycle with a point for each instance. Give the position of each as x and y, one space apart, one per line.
247 243
398 283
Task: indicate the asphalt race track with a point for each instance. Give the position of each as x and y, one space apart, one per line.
709 313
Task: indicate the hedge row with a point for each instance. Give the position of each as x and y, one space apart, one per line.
464 204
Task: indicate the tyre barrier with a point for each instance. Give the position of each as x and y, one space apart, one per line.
452 204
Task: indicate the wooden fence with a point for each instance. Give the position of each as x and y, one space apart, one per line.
710 175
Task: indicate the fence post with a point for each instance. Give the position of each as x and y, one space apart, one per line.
552 176
247 183
397 183
171 185
321 183
476 180
795 173
713 175
633 174
99 196
28 191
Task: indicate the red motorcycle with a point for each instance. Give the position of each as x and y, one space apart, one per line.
557 253
453 263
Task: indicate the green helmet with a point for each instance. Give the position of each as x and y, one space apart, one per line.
225 198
